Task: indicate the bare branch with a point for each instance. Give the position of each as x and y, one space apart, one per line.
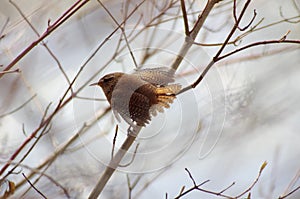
18 108
263 166
114 142
43 43
191 177
193 34
185 20
197 187
66 15
218 56
258 44
34 186
60 149
290 193
129 186
123 32
113 164
3 28
10 71
236 19
291 184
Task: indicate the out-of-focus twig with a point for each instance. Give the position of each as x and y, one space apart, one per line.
18 108
289 191
66 15
43 43
49 160
218 56
10 71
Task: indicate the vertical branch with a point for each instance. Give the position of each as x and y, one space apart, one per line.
113 164
185 19
193 34
216 57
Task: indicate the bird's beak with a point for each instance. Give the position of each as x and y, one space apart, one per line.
94 84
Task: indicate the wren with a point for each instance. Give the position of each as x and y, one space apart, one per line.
138 96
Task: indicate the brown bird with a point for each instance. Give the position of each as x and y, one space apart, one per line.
138 96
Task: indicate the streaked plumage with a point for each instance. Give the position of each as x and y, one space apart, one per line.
138 96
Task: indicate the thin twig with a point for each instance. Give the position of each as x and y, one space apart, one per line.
191 177
113 164
236 20
289 187
258 44
50 178
62 101
129 186
45 130
114 142
197 187
66 15
263 166
91 99
10 71
34 186
287 19
225 189
216 57
290 193
18 108
3 28
42 42
60 149
123 32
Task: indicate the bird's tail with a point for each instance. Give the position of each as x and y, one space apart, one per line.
165 97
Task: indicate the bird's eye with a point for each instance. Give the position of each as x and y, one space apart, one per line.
108 78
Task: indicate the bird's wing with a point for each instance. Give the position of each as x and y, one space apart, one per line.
139 108
132 107
157 76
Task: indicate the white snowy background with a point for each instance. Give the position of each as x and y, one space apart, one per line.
245 112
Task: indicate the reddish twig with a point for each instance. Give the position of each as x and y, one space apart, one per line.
66 15
43 43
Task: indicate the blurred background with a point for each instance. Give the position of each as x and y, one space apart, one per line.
245 112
